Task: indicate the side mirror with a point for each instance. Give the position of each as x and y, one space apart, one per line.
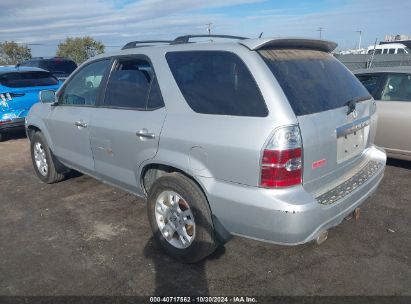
47 96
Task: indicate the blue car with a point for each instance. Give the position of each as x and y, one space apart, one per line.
19 90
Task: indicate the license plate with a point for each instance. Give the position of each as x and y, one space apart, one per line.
351 140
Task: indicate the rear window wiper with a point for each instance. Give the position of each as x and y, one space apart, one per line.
352 103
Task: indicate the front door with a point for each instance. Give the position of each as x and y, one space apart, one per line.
125 130
394 115
68 122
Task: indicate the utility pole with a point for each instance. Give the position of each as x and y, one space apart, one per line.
320 29
359 41
209 28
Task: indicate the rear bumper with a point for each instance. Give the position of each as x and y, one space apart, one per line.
286 216
15 124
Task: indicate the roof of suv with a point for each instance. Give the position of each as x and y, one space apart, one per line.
183 44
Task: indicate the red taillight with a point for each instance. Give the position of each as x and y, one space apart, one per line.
5 121
281 164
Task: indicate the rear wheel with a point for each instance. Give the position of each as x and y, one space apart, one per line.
2 137
180 218
43 161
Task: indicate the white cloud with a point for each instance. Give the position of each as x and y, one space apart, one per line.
116 22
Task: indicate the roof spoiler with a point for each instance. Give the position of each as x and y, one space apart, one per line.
281 43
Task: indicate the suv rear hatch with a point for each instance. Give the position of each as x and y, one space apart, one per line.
333 109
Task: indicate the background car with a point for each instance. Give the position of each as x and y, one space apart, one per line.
391 88
60 67
19 90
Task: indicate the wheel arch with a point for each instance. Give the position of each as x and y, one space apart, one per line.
152 171
32 128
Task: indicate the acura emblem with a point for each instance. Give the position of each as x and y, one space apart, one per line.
354 114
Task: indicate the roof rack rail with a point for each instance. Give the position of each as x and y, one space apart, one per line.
135 44
186 38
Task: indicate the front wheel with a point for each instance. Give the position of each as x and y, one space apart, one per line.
43 161
180 218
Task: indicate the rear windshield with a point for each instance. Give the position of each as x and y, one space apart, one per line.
313 81
27 79
57 66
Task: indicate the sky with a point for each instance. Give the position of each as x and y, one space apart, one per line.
42 24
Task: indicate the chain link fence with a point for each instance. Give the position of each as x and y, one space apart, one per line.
355 62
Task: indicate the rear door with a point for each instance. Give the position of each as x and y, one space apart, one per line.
125 129
394 114
333 109
68 122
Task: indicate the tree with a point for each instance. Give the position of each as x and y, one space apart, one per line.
79 49
12 53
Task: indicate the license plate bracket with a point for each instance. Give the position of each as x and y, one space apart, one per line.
351 139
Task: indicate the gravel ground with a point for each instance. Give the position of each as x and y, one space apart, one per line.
82 237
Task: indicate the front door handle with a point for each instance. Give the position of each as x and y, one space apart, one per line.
80 124
145 134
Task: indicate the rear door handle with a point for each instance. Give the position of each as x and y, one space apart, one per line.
80 124
144 133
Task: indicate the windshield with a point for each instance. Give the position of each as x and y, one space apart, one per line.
27 79
57 66
313 81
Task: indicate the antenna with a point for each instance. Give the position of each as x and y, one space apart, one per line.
261 34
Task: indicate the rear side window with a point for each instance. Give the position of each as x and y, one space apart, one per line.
216 82
58 66
313 81
27 79
133 85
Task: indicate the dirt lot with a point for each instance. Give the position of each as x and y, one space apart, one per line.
81 237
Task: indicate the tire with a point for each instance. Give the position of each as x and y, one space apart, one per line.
197 232
40 152
2 137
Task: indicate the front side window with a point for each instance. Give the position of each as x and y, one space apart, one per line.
27 79
397 88
370 82
400 51
216 82
133 85
83 88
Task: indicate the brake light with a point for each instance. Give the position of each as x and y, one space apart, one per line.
281 164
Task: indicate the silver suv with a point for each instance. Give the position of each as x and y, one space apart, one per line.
270 139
